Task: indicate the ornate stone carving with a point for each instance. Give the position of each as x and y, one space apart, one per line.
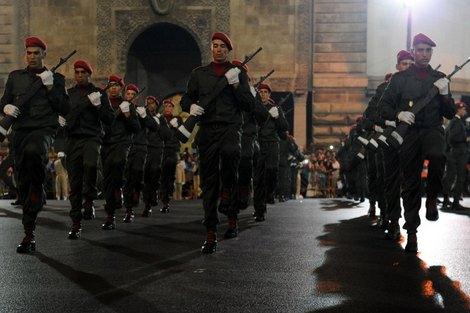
162 7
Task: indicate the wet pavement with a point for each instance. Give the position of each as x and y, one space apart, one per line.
318 255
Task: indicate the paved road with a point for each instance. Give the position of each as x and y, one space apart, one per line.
318 255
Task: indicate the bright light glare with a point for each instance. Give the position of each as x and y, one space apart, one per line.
408 3
305 161
331 147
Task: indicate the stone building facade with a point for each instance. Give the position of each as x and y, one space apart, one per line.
112 34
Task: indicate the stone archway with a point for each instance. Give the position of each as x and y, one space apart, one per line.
161 58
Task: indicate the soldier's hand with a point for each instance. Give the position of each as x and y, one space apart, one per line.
407 117
95 98
47 78
62 121
141 111
390 123
443 85
378 129
363 140
174 122
274 112
232 75
196 110
125 107
253 91
11 110
157 119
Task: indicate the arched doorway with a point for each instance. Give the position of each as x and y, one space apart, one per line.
161 59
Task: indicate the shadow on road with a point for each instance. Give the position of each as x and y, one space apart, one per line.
375 275
338 204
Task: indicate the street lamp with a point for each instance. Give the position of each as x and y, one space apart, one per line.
408 4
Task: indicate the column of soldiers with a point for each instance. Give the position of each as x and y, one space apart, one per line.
238 142
392 171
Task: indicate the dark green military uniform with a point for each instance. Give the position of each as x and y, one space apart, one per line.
267 166
454 179
424 139
33 135
116 144
219 136
84 132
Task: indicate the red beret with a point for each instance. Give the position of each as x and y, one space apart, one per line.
422 38
168 101
132 87
153 98
224 38
34 42
239 63
84 65
388 77
404 55
264 86
116 79
460 105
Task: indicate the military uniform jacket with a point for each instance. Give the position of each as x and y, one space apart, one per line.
456 134
84 119
372 113
268 127
227 107
146 124
44 108
122 128
406 88
171 143
155 136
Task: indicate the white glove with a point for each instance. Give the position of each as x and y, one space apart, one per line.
141 111
157 119
11 110
174 122
62 121
378 129
196 110
363 140
407 117
253 91
274 112
232 75
47 78
124 106
95 98
390 123
443 85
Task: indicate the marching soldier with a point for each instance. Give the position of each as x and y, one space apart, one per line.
116 144
271 123
153 164
34 130
284 169
90 109
218 137
454 179
425 137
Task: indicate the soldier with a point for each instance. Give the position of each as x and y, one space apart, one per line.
218 138
116 144
170 153
284 170
357 163
454 179
153 164
137 156
9 163
34 130
271 122
425 137
90 109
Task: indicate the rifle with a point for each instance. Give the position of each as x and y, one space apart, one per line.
263 78
8 120
396 137
184 131
279 105
118 110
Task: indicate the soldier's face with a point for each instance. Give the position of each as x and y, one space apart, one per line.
462 112
151 105
35 57
115 90
219 51
265 95
168 109
82 77
404 65
130 94
422 54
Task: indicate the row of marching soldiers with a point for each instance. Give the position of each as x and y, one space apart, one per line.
238 142
372 165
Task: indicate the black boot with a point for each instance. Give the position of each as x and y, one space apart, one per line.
76 230
232 230
28 244
165 208
456 206
371 212
431 209
129 217
210 245
445 203
393 232
412 243
88 210
259 216
147 211
109 223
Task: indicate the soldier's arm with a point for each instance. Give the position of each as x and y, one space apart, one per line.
7 97
150 122
260 111
455 134
192 93
281 122
165 131
389 106
58 96
132 122
447 107
243 94
106 112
